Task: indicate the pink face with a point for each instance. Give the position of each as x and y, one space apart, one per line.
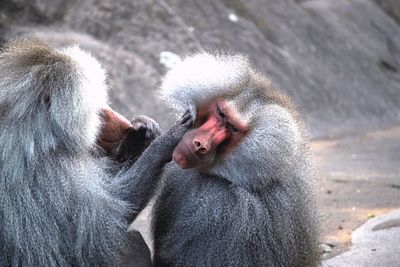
218 127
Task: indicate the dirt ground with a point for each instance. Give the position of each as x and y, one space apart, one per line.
359 179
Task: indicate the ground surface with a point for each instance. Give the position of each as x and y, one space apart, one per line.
359 179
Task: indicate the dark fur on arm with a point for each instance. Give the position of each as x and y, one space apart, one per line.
137 183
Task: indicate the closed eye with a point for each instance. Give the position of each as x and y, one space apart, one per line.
232 128
220 113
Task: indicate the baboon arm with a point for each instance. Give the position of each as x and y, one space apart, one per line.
137 183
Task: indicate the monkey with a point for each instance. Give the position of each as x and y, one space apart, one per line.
61 205
240 189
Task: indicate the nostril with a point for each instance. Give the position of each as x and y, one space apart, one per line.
197 143
202 150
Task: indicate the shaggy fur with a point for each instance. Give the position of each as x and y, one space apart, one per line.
252 206
59 204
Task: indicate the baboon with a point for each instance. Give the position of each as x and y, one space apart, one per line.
65 201
240 191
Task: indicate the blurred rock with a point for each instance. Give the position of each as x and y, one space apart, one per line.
39 11
326 248
339 60
169 59
392 7
376 243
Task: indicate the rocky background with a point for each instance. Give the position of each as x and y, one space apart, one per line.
339 60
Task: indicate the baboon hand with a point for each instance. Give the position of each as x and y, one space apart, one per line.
168 141
143 131
147 127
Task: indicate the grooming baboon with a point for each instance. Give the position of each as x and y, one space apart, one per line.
62 202
240 193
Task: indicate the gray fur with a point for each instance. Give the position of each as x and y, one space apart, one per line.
60 205
253 206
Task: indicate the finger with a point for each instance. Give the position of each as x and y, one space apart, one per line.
139 125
